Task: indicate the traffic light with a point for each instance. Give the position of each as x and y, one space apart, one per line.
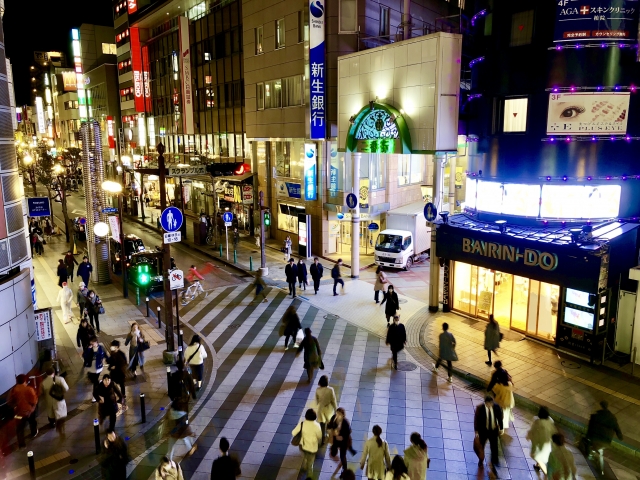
143 274
267 219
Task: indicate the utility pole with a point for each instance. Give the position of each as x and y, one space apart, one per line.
263 257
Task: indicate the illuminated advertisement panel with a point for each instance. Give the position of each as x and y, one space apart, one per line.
521 200
185 65
588 113
489 197
136 67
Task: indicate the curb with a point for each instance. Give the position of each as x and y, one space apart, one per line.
526 403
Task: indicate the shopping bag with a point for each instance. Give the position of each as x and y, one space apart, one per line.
477 448
299 337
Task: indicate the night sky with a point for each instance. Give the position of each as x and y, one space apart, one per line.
44 25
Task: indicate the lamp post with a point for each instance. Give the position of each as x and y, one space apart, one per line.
116 189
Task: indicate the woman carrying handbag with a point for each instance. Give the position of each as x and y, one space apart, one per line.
137 345
307 436
195 356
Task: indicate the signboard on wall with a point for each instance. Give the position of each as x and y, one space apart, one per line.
363 193
69 81
588 113
310 190
44 329
304 235
317 70
115 227
247 194
39 207
136 67
596 21
40 114
132 6
185 67
288 189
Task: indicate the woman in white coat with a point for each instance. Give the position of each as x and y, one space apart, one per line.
309 440
326 404
416 458
56 409
376 455
540 433
65 299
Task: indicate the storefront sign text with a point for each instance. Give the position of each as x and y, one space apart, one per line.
316 67
310 191
530 257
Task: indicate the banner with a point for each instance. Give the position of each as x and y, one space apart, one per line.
40 114
316 69
185 66
136 67
363 193
115 227
598 20
69 81
584 113
310 190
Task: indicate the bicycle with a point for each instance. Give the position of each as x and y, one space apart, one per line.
192 290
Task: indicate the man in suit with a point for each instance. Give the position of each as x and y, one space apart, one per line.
291 271
316 272
487 423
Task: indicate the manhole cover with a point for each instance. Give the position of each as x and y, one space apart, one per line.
402 300
331 317
572 365
406 366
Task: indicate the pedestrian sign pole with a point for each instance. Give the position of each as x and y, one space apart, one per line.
227 217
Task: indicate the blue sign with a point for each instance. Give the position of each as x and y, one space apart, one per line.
598 21
39 207
352 200
340 216
430 212
333 179
171 219
373 226
227 217
317 69
109 210
310 190
293 189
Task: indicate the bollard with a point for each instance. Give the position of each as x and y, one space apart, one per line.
143 412
250 264
96 434
168 378
235 257
147 302
32 465
159 321
221 249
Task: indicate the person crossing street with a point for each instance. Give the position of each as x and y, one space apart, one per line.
316 270
337 277
291 272
396 339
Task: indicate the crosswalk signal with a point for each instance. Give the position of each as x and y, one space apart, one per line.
267 219
143 274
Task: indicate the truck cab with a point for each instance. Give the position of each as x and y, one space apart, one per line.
393 248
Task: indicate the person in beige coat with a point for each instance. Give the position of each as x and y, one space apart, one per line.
56 409
542 429
376 455
381 284
310 440
326 404
416 458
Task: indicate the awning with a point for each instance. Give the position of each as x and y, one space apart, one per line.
234 178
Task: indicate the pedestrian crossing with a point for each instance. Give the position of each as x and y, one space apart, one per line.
260 392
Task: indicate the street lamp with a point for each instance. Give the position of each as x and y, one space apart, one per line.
116 189
101 229
27 159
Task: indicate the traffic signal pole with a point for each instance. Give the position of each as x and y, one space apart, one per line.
263 257
166 254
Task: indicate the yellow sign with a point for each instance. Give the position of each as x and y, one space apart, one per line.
530 257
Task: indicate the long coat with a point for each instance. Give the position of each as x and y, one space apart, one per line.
416 461
55 408
302 272
376 458
291 271
540 436
396 336
492 336
381 282
326 403
561 464
448 347
393 304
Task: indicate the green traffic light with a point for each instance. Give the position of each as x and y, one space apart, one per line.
143 274
267 219
144 279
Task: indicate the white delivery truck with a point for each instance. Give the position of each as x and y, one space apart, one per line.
407 238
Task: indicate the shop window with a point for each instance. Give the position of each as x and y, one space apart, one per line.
385 25
462 298
273 94
292 91
260 96
288 217
410 169
282 155
515 115
348 16
377 171
521 28
259 39
280 33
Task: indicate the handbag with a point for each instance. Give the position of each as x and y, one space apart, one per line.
101 310
297 438
142 346
477 448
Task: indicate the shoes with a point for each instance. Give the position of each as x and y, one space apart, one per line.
536 467
93 400
449 379
335 294
265 301
377 301
294 296
192 451
286 347
316 292
489 363
395 366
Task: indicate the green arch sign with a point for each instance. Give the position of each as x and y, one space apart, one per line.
379 128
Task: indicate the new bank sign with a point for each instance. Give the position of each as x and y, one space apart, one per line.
316 69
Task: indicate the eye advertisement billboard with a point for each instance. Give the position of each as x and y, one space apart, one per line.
586 113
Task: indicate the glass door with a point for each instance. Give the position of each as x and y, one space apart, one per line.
502 298
486 280
519 308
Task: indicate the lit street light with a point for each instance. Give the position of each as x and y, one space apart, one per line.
115 188
27 159
101 229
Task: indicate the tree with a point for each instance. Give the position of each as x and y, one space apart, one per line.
66 170
43 171
26 165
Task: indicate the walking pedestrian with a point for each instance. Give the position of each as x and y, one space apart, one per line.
225 467
118 367
416 457
39 241
181 389
492 337
94 357
195 356
316 270
398 470
92 304
53 388
62 273
447 351
341 431
260 286
562 465
84 270
302 274
24 400
487 424
326 404
168 470
236 238
69 260
393 304
115 457
603 425
65 299
337 277
540 433
312 353
310 439
135 339
287 247
502 387
291 272
109 396
381 281
48 230
85 334
290 326
376 455
396 340
81 298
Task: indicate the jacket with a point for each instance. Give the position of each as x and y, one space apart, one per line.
111 396
56 409
180 388
396 336
448 347
376 458
69 260
393 304
480 419
83 335
291 322
114 463
118 366
174 473
561 465
602 426
225 468
132 341
311 435
344 431
492 336
200 354
335 271
23 399
62 272
540 436
291 272
302 272
381 281
84 270
306 345
504 395
326 404
81 296
416 461
499 376
316 271
88 355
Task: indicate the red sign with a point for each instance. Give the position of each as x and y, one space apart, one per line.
136 67
112 142
145 78
132 6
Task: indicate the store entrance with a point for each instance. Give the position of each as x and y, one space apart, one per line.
367 237
522 304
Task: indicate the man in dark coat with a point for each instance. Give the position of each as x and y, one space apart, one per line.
302 273
291 271
69 260
396 339
316 271
337 277
118 366
116 457
603 425
108 395
84 271
487 424
225 467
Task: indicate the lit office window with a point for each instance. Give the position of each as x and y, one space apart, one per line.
259 40
280 33
515 115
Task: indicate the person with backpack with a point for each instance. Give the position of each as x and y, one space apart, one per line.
316 270
337 277
312 353
195 356
181 388
53 389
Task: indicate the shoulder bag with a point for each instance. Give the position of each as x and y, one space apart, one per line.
187 366
297 438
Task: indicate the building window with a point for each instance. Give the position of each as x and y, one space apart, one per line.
109 49
410 169
515 115
282 154
280 33
377 171
288 217
300 26
521 28
348 16
385 26
207 57
273 94
292 91
259 39
260 96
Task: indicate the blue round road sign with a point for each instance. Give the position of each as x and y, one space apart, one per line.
430 212
227 217
373 226
171 219
352 200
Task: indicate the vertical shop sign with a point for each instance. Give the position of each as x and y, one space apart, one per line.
146 88
185 65
40 114
136 67
112 141
363 193
333 179
44 330
446 281
310 191
317 69
132 6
